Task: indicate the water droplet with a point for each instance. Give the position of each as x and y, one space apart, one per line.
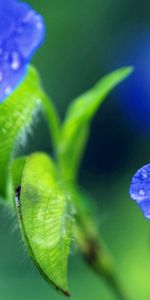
133 196
8 90
1 76
39 25
142 192
28 17
144 173
15 64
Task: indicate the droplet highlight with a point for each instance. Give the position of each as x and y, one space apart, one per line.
15 64
144 173
8 91
142 192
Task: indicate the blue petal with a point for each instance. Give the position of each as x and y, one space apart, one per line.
22 31
140 189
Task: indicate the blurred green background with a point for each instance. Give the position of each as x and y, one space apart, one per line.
85 40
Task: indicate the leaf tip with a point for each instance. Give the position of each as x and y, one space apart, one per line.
67 294
127 71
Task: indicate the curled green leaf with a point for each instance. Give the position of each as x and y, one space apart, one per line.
45 218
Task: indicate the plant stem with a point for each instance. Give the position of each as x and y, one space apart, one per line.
92 246
53 121
96 255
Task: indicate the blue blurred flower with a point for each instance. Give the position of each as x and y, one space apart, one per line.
140 189
131 46
21 32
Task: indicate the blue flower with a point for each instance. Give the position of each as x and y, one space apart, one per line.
22 31
140 189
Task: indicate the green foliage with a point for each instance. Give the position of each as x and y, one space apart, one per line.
45 189
17 168
76 126
17 115
45 218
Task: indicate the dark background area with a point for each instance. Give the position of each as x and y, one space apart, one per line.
85 40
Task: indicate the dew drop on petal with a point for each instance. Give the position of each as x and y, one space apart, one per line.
8 90
15 63
28 16
142 192
39 25
38 22
144 173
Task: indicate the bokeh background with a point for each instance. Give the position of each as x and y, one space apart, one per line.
85 40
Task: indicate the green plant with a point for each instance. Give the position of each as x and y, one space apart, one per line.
44 189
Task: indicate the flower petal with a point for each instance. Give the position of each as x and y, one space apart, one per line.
140 189
21 32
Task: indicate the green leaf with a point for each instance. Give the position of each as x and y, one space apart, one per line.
17 113
45 218
76 127
17 168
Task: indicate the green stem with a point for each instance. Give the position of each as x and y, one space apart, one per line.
95 253
53 121
92 246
